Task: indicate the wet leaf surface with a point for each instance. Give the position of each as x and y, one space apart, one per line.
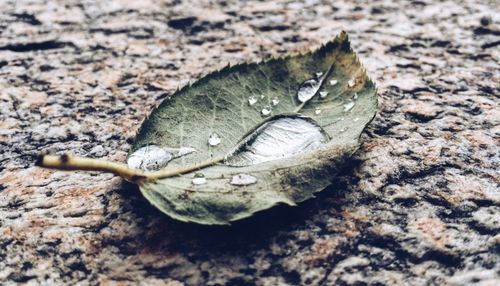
281 128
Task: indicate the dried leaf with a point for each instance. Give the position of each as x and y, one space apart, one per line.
271 132
248 137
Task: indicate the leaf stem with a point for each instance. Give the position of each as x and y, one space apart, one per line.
68 162
170 173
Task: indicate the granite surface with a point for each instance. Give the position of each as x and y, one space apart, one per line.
418 205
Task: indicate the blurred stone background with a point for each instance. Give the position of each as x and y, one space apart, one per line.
419 205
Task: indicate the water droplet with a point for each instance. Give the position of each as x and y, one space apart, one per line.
343 129
333 82
323 94
266 111
243 180
355 96
349 105
351 82
262 96
277 139
199 181
356 119
275 101
319 74
252 100
308 89
317 111
214 139
149 158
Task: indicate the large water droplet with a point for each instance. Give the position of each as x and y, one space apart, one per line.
149 158
349 105
317 111
333 82
266 111
319 74
214 139
278 138
275 101
252 100
243 180
262 96
323 94
308 89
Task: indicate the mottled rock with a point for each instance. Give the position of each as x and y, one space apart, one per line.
419 204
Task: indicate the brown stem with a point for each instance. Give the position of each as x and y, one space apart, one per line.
68 162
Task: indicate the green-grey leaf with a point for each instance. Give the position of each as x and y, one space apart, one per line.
327 92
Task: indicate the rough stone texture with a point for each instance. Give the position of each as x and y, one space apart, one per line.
419 205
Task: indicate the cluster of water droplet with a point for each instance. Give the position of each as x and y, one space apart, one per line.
266 110
237 180
306 91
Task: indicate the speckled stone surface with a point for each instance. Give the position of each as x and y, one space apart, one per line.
418 205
